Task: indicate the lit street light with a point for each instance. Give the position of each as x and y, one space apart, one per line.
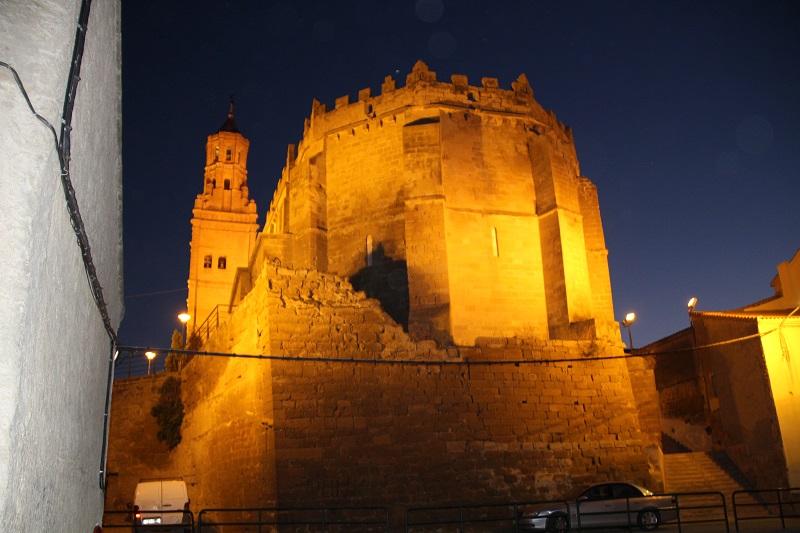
150 356
184 318
630 318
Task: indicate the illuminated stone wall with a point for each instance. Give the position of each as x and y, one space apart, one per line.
747 383
460 208
356 430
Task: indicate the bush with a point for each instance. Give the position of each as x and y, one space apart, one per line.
168 412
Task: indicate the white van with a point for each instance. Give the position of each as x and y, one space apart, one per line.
161 502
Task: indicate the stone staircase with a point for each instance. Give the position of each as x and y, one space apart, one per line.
706 472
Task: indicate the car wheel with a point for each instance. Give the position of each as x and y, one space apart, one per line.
649 519
558 523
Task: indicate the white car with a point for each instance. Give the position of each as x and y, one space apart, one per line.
161 505
603 505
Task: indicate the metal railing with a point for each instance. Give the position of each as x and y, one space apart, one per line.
295 519
474 517
699 508
217 316
688 508
766 504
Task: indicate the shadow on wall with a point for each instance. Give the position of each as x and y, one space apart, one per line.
385 280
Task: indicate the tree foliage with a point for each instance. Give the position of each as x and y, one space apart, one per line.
168 412
175 362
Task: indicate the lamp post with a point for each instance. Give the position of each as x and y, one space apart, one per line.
150 356
630 318
184 318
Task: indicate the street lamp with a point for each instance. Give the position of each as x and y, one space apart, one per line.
184 318
691 304
150 356
630 318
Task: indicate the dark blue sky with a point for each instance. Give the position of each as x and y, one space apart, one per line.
686 115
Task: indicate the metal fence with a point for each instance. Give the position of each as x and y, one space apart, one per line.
767 506
464 518
294 520
761 508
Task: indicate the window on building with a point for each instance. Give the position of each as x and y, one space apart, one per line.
207 261
227 185
216 154
221 263
228 153
495 248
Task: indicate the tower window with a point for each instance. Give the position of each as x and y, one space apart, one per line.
495 248
221 263
227 185
216 154
207 261
228 154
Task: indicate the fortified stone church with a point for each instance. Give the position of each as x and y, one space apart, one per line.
462 209
432 278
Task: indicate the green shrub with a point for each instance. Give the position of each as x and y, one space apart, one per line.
168 412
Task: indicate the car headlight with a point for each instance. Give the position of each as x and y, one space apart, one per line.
534 514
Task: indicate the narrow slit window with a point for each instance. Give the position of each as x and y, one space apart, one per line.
495 247
228 154
207 261
216 154
221 263
227 185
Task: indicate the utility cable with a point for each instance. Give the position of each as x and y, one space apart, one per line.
141 350
64 155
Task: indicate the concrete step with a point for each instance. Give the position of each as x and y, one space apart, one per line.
706 472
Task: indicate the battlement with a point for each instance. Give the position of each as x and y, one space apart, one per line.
422 90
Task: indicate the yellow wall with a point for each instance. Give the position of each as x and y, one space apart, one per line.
474 193
782 354
223 226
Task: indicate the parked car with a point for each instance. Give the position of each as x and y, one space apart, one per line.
603 505
161 505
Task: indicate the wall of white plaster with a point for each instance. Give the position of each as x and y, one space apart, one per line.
53 347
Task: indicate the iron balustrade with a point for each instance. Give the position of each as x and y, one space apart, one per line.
499 514
694 508
217 316
765 506
323 519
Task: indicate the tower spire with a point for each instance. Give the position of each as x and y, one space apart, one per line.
230 124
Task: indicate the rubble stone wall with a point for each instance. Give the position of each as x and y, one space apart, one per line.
370 417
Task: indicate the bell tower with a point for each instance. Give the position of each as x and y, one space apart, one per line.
223 224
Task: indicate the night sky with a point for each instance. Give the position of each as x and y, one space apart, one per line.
686 115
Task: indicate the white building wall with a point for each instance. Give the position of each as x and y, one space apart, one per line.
53 347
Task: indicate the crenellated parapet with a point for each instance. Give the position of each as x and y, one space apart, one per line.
443 198
422 89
